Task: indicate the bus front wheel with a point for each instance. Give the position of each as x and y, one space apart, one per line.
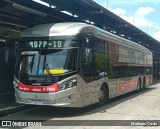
103 96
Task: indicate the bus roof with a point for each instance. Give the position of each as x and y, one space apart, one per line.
73 28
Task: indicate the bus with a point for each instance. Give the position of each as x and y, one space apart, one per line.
76 64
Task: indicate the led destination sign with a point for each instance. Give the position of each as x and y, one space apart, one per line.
45 44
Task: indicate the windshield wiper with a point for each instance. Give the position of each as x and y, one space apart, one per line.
46 66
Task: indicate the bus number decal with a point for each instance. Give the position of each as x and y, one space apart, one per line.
46 44
31 43
38 44
57 44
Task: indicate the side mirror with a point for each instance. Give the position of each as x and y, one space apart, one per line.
102 74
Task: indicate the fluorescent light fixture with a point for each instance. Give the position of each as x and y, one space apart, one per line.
24 8
86 20
92 23
112 31
122 35
42 2
69 13
75 15
12 24
53 7
66 12
10 29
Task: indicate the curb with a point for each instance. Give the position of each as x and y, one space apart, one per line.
8 110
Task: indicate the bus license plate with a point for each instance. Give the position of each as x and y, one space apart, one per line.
36 101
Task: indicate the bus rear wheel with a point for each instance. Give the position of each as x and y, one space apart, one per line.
144 84
103 96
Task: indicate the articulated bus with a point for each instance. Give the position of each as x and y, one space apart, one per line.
76 65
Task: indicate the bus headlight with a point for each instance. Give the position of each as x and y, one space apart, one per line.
68 84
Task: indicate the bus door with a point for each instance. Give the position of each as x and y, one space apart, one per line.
89 73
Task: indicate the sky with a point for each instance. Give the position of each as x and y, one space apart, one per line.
144 14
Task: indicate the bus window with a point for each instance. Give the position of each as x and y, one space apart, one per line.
88 63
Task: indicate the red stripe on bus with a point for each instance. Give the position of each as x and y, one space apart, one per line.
30 88
125 85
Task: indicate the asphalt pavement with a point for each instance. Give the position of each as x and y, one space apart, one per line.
8 104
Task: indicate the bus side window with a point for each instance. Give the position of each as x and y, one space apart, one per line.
87 59
100 56
87 55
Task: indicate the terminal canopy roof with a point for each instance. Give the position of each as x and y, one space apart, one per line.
17 15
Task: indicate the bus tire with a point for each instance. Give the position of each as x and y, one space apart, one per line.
103 95
139 85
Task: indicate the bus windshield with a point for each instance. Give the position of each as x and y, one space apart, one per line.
45 65
48 61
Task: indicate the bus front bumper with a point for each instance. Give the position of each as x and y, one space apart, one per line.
59 99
